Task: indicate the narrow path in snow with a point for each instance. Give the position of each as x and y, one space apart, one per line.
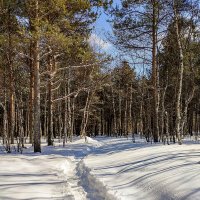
51 175
39 177
73 180
94 189
78 178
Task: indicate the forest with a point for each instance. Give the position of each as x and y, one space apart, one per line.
53 84
99 99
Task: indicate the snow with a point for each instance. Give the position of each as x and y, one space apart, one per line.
147 171
38 177
89 141
103 168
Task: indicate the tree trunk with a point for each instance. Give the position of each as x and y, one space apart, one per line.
185 112
120 115
5 117
69 105
180 80
163 111
50 111
114 112
65 121
11 112
85 115
126 115
36 63
45 115
166 124
31 97
155 74
130 118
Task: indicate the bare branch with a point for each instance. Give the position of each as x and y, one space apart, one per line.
22 55
46 54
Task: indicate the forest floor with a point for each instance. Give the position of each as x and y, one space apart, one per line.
103 168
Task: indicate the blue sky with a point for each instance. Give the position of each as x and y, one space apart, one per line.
100 33
99 41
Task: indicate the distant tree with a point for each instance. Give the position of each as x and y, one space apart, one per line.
138 26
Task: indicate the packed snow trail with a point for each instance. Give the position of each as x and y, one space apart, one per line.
50 175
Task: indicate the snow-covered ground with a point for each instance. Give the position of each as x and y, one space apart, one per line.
153 172
103 168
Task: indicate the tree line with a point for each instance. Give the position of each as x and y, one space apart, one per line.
53 84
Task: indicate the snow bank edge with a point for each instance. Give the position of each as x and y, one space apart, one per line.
95 189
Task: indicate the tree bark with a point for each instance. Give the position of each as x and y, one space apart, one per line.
85 115
155 74
180 80
11 112
114 113
50 111
36 63
31 97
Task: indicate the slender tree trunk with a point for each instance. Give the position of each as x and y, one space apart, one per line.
131 123
141 123
120 115
60 123
36 62
126 116
69 106
11 112
114 112
31 110
180 80
185 112
155 73
85 115
167 126
130 118
196 126
102 121
5 125
45 115
72 118
65 121
50 111
163 112
5 117
31 97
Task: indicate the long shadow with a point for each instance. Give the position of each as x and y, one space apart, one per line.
148 163
25 175
31 183
3 197
192 193
77 150
143 163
